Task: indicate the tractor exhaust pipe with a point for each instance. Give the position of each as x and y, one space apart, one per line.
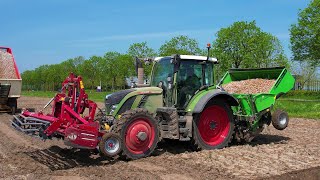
140 75
139 71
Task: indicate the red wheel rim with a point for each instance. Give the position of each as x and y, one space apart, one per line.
214 125
135 143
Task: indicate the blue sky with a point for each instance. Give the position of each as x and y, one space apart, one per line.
51 31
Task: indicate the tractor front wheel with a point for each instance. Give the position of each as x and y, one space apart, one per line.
139 133
214 127
110 145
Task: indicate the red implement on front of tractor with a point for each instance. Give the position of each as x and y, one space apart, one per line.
67 119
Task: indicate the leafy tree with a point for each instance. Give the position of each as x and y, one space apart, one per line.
305 35
91 71
244 45
180 45
142 50
112 67
72 65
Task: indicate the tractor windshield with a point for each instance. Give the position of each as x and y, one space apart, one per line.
191 76
191 72
161 71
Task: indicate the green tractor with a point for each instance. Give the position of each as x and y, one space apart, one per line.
181 102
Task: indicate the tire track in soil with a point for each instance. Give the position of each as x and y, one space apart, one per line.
16 164
170 166
14 137
14 147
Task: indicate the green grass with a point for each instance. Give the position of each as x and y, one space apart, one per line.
306 95
299 108
95 96
304 104
288 102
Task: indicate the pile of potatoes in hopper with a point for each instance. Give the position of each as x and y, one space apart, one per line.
7 70
249 86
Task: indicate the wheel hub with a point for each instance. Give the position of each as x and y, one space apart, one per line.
282 119
142 136
212 125
139 136
112 145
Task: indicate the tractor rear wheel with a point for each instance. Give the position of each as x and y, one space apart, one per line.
139 133
214 127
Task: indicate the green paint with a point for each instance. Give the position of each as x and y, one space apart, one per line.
255 103
136 101
139 92
195 99
153 102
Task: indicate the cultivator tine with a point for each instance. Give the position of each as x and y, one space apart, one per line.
28 125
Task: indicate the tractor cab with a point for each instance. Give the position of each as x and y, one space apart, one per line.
181 76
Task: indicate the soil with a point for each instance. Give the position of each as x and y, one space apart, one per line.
293 153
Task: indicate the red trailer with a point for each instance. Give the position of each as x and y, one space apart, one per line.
10 81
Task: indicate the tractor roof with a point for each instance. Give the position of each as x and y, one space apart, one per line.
191 57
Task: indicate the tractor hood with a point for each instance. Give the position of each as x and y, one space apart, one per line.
115 98
120 97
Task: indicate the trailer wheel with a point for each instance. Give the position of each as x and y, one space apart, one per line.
12 103
214 127
110 145
139 133
280 119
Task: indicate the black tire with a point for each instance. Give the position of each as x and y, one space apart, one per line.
115 148
200 142
124 125
12 103
280 119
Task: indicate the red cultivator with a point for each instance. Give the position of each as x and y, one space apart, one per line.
67 119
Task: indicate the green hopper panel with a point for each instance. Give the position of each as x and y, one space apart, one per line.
254 103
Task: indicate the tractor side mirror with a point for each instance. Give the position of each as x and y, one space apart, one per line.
175 60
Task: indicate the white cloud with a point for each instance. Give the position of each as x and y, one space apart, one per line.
143 36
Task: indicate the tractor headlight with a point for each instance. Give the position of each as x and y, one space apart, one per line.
113 107
107 96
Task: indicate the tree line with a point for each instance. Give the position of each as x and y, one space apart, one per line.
240 45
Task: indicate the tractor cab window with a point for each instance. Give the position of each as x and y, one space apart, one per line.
161 71
190 79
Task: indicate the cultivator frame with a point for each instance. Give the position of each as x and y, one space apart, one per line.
67 120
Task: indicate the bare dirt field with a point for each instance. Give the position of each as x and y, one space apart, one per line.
290 154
